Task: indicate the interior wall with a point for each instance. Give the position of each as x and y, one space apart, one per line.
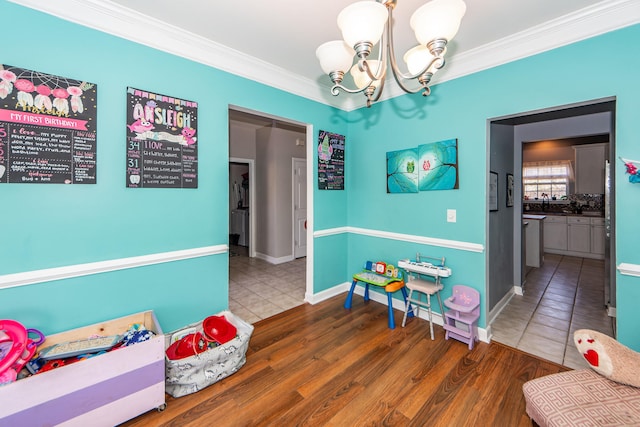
275 148
68 226
459 109
502 256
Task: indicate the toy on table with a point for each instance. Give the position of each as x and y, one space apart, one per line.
383 275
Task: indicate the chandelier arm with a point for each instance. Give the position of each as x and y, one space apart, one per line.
378 91
335 89
380 73
398 75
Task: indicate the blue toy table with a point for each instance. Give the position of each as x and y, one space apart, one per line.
390 284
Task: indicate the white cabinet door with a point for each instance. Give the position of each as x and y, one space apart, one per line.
590 168
555 233
579 234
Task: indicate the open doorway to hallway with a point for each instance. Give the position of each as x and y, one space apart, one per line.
267 269
528 307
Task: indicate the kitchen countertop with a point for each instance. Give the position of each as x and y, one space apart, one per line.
590 214
534 216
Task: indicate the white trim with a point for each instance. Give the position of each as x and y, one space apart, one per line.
629 269
331 231
310 135
327 293
274 260
399 305
112 18
60 273
452 244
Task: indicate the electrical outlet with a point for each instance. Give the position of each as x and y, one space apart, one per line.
451 215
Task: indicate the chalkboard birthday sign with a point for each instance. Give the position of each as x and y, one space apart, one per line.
162 149
47 128
330 161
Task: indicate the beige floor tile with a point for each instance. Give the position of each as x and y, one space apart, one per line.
567 293
258 289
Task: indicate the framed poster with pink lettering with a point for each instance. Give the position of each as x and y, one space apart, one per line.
47 128
162 148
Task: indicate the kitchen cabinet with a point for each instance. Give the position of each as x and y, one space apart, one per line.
574 235
589 168
578 234
597 236
555 233
534 238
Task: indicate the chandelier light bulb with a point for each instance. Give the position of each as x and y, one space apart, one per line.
417 59
335 55
361 78
362 21
438 19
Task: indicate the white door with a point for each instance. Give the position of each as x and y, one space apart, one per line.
299 208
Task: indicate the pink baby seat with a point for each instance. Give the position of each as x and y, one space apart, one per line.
461 320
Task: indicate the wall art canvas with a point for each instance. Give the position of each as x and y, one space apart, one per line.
330 161
47 128
402 171
162 141
438 165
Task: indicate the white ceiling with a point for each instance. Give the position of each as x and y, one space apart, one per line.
275 42
287 32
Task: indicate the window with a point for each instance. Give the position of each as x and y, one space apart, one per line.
550 179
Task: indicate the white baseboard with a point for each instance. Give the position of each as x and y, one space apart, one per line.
273 260
381 298
326 294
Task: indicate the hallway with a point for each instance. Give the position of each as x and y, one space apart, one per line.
565 294
258 289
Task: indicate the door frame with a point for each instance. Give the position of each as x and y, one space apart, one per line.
556 112
309 152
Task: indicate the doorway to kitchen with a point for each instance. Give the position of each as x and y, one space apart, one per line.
514 288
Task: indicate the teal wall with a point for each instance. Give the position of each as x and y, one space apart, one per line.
46 226
460 109
49 226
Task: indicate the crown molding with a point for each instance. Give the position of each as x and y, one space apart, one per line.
600 18
111 18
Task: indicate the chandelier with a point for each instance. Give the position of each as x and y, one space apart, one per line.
363 25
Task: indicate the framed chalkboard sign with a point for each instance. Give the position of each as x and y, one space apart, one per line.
162 141
330 161
47 128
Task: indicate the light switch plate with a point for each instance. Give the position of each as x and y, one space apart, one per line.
451 215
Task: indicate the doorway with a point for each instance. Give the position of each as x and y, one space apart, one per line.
506 276
262 150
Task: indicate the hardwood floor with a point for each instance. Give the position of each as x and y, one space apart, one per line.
324 365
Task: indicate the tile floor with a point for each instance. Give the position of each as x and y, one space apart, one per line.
565 294
258 289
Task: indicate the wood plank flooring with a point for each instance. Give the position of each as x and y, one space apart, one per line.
323 365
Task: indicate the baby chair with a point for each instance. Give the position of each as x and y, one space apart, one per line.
461 320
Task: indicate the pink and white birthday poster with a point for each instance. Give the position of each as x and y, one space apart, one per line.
162 141
47 128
